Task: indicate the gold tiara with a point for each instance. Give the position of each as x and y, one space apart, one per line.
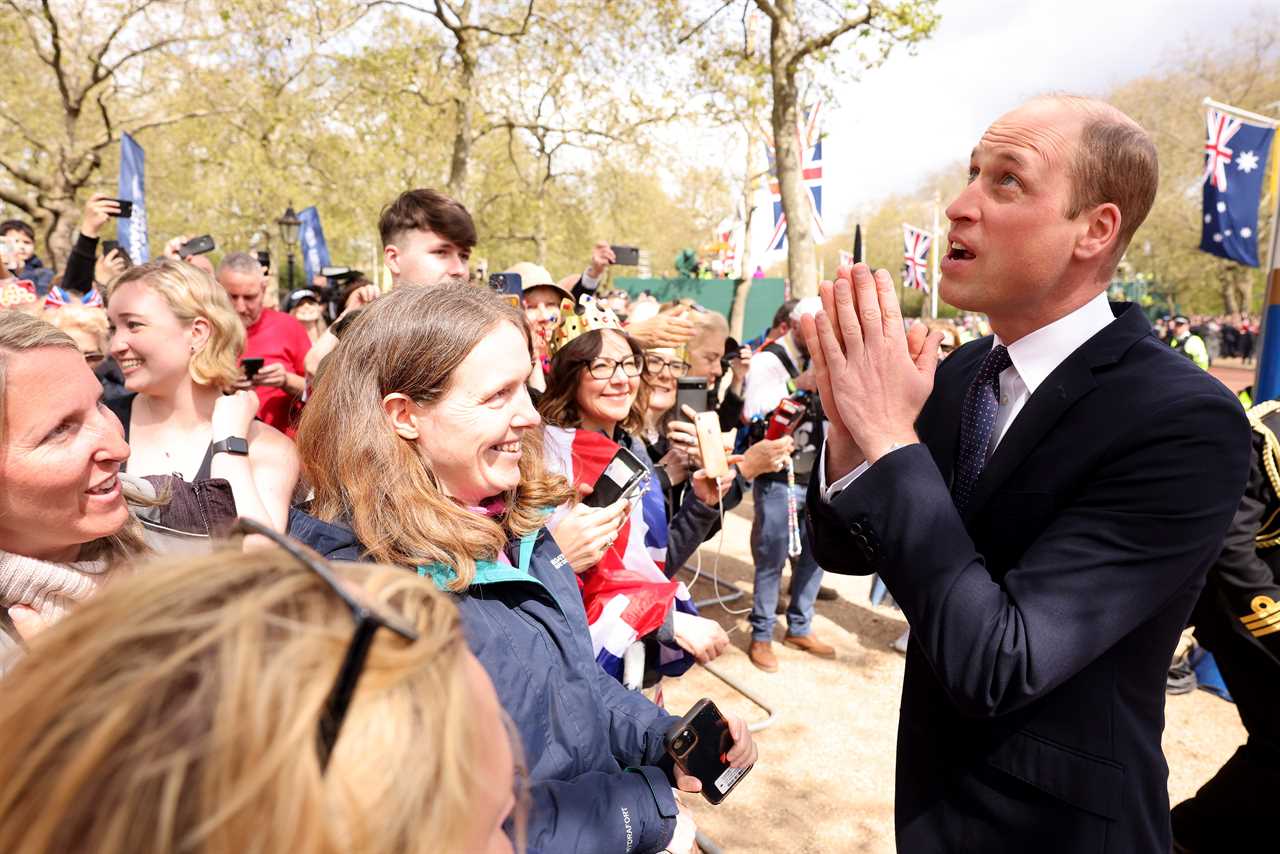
588 315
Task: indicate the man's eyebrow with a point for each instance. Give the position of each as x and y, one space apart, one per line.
999 154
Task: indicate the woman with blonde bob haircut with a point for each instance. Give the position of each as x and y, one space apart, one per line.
424 450
177 340
185 709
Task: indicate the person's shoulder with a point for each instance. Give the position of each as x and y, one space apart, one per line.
268 443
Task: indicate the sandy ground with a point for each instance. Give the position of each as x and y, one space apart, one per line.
824 782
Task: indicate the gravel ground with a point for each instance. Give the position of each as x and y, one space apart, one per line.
824 782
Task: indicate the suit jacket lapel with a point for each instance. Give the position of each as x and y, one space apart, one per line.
1069 382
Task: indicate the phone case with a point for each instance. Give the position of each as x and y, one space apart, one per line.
619 478
691 392
705 758
711 444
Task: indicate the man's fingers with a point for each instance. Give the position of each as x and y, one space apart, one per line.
870 318
889 308
927 361
846 320
827 293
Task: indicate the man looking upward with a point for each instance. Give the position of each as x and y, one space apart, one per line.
1009 503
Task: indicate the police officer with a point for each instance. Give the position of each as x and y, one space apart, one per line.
1238 619
1188 343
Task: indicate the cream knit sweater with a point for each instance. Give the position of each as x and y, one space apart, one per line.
50 589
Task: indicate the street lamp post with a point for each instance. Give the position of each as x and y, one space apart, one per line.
289 225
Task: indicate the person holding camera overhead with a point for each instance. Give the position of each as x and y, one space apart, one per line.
176 339
279 341
422 446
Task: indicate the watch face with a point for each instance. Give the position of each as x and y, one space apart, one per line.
237 445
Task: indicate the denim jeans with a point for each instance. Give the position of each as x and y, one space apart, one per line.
770 541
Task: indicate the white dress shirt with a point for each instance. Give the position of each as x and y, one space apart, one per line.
1034 357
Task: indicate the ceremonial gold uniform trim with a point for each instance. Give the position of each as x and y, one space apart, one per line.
1265 618
1266 536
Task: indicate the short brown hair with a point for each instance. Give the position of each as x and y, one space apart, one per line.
559 404
427 210
1115 162
410 342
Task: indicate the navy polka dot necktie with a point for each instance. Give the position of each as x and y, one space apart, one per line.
977 421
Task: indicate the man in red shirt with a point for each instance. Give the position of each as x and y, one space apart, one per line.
273 336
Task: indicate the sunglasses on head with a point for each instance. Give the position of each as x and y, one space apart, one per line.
368 619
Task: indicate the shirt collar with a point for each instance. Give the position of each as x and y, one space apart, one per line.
1038 353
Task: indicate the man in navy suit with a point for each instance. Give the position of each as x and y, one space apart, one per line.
1015 505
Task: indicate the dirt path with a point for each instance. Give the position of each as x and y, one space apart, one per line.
825 778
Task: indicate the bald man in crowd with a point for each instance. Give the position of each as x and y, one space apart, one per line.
1013 503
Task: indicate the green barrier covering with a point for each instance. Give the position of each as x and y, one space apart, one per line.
715 294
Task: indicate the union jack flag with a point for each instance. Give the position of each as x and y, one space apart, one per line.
1222 128
58 297
809 141
915 257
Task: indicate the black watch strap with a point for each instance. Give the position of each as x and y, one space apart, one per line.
231 445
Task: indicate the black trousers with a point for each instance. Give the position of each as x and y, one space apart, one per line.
1232 810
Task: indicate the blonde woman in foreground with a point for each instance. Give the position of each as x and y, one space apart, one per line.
261 702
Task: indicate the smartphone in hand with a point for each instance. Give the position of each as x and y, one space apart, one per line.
699 744
251 366
624 477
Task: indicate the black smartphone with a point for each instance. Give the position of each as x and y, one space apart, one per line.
196 246
699 743
264 258
507 283
251 366
126 208
626 256
692 392
624 477
109 246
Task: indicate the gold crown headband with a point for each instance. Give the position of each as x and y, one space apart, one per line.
588 315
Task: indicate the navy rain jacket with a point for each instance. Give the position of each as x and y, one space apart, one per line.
593 748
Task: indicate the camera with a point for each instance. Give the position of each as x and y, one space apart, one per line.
684 742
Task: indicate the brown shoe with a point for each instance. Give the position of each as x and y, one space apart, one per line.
811 645
761 655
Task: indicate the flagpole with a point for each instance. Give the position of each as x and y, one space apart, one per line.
934 262
1256 118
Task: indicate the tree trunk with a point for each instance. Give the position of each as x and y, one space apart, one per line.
1229 303
742 287
464 102
802 265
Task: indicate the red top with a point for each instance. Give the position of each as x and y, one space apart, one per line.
278 338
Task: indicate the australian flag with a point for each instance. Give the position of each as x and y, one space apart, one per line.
315 251
132 231
1235 161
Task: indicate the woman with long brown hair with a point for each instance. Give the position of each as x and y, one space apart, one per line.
423 450
200 706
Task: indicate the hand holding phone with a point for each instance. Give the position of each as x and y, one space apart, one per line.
251 366
625 256
624 477
712 753
196 246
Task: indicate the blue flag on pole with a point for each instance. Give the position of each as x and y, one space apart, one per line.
132 232
315 251
1235 161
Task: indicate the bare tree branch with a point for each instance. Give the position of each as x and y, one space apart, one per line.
55 58
99 70
22 203
28 178
825 40
724 5
168 120
768 8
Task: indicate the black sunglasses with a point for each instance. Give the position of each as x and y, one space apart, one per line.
368 620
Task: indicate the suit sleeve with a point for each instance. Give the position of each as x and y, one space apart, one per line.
1111 558
1239 572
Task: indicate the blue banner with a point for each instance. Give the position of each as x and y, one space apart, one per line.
315 251
132 232
1235 163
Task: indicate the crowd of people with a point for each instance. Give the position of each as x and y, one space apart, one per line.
342 575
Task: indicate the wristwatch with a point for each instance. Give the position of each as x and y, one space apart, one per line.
231 445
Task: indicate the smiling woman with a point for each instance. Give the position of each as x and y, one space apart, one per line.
64 524
424 451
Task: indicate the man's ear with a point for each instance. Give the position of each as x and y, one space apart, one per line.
391 257
402 414
1102 233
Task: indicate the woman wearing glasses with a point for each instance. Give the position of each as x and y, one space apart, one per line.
596 387
191 708
422 448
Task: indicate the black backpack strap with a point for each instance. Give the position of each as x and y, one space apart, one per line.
783 356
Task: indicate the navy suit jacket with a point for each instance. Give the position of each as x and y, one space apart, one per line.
1044 618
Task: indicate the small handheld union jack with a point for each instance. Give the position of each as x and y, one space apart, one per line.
915 257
